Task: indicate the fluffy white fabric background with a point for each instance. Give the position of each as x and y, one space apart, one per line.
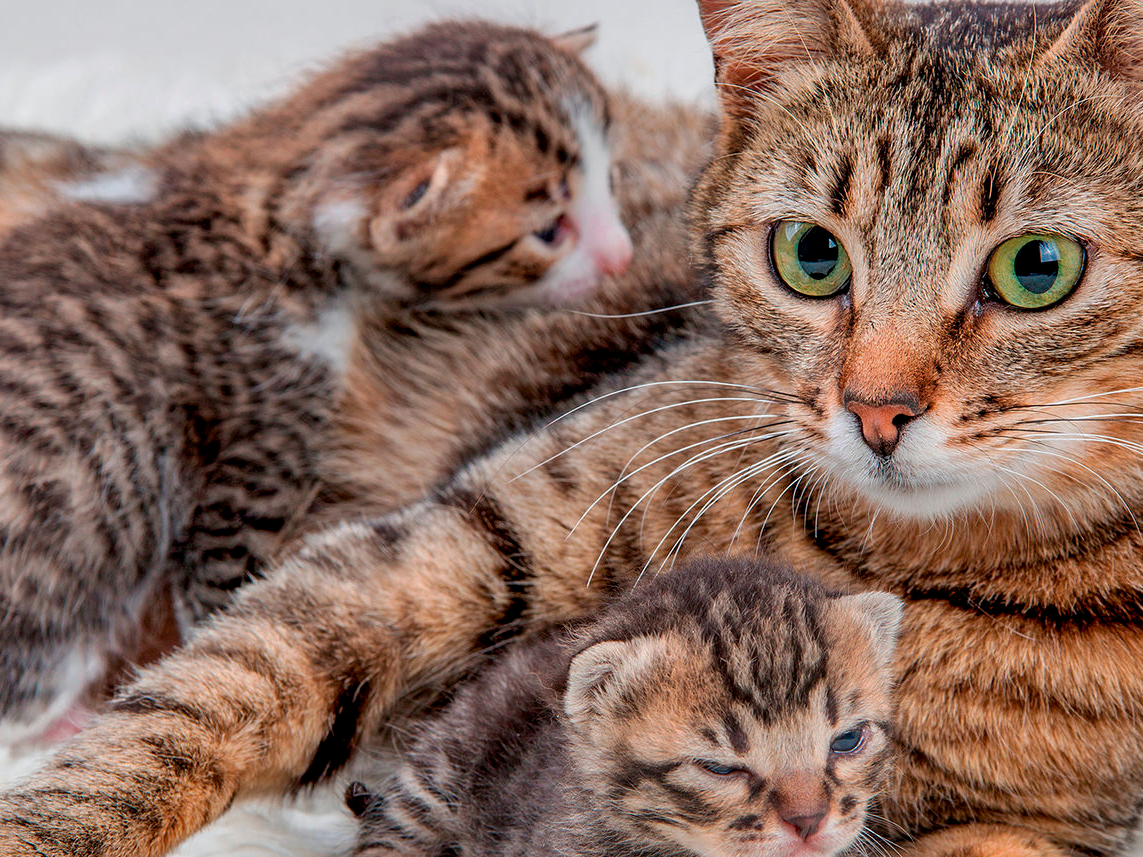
134 69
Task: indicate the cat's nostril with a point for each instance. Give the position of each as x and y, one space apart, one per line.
881 422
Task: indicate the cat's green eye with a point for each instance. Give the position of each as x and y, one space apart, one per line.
809 259
848 742
1035 271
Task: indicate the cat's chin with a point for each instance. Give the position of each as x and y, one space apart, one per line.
918 482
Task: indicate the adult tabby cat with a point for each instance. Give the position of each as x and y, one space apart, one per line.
730 708
922 234
171 363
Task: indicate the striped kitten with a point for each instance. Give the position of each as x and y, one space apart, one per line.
725 709
170 356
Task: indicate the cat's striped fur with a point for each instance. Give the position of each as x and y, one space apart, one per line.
1006 516
170 360
699 714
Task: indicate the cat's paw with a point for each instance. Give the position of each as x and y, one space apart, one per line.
983 840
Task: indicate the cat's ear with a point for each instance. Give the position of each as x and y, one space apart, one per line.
577 41
419 194
1107 34
876 616
754 42
600 674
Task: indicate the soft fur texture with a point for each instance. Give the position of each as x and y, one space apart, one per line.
1019 688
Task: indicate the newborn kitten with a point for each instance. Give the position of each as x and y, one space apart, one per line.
725 709
171 356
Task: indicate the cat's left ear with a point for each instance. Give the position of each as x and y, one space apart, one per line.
600 674
1107 34
876 616
577 41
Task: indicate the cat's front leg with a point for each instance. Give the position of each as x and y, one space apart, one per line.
275 693
984 840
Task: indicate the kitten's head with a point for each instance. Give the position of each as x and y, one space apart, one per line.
732 710
924 224
468 161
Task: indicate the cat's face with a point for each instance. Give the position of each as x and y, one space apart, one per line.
769 743
492 185
925 226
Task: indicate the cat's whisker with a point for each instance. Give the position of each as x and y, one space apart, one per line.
702 457
721 491
650 492
632 418
638 314
1044 487
624 475
733 480
1079 399
1073 460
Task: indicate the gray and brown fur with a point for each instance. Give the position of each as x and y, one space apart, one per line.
597 741
1019 692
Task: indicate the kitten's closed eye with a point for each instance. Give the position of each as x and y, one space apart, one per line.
849 742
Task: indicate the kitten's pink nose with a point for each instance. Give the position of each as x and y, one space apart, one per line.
882 421
609 242
806 825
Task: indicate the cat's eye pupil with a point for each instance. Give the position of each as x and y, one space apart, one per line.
1037 266
818 253
848 742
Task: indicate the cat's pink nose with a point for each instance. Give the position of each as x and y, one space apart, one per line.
806 825
882 421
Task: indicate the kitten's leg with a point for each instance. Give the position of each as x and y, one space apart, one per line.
984 840
404 823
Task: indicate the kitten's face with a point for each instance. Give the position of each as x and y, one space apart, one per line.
495 187
769 745
932 241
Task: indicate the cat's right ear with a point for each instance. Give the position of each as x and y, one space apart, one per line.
755 42
600 674
1107 34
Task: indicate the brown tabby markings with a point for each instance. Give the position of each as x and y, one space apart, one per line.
1019 721
601 743
170 364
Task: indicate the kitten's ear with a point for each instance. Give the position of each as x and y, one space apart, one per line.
755 41
599 674
577 41
877 615
1107 34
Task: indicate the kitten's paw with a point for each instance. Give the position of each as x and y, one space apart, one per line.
983 840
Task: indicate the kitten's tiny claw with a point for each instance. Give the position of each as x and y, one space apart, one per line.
358 797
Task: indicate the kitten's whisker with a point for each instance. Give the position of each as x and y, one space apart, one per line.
638 314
